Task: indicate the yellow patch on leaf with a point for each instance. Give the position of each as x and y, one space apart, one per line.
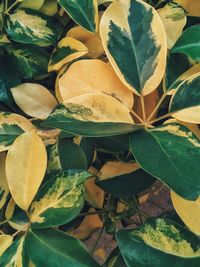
5 242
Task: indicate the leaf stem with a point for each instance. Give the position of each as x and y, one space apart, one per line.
14 4
137 116
134 208
156 107
20 230
143 112
161 118
94 212
3 222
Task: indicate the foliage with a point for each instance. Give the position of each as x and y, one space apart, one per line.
99 100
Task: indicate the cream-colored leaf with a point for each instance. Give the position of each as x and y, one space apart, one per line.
25 168
189 211
94 76
191 6
4 190
34 99
5 242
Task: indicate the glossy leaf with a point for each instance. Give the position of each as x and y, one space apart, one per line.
67 49
174 150
5 242
133 43
115 259
4 190
29 26
95 76
185 103
15 255
83 12
59 200
25 168
27 60
188 211
157 243
34 99
187 43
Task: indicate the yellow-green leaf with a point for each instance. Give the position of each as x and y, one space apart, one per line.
135 43
67 50
36 4
188 211
49 8
34 99
174 19
94 76
5 242
4 190
25 168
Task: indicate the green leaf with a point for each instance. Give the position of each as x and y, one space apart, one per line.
127 185
29 26
15 255
8 79
89 150
177 64
57 249
8 134
27 60
170 153
188 43
66 117
36 4
159 242
185 103
83 12
59 200
65 155
133 43
115 259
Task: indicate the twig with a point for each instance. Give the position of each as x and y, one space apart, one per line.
137 116
156 107
133 208
20 230
161 118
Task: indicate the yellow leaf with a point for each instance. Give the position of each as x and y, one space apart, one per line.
4 190
94 194
34 99
49 8
189 212
25 168
174 19
191 6
5 242
94 76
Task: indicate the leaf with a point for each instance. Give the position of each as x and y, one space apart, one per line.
83 12
133 43
25 168
29 26
4 190
5 242
59 200
191 7
188 43
90 73
57 250
65 155
17 218
174 71
185 103
8 79
49 8
16 255
27 60
11 126
34 100
159 241
67 50
115 259
94 195
36 4
92 115
188 211
170 153
174 19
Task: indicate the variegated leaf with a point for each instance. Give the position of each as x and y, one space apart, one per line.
175 153
29 26
25 168
83 12
185 103
5 242
191 7
34 99
95 76
134 39
16 255
188 211
66 50
159 242
4 190
174 19
59 200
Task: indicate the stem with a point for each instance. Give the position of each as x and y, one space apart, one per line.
14 4
157 106
137 116
143 112
133 208
3 222
97 241
94 212
20 230
161 118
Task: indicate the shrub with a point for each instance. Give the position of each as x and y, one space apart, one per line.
99 101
